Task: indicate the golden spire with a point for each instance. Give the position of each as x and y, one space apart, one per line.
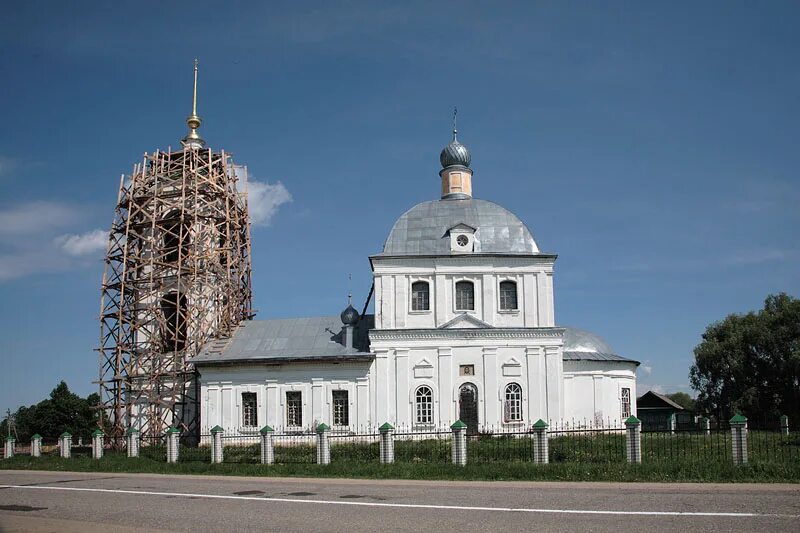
193 139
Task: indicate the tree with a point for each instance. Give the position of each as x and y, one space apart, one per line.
682 399
751 363
62 411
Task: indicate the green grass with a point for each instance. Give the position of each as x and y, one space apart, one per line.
689 471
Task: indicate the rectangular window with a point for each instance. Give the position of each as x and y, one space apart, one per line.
465 296
508 296
294 408
341 407
625 399
249 409
420 296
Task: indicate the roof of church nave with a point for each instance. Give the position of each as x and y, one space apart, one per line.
581 345
289 340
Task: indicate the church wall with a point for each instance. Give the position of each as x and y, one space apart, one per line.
443 365
222 388
395 276
593 390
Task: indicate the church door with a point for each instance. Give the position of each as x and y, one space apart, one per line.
468 407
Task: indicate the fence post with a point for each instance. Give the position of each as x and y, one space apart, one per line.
9 451
323 445
784 425
97 443
173 450
133 442
633 442
216 444
541 448
387 443
707 425
459 443
267 448
66 445
672 424
36 445
739 439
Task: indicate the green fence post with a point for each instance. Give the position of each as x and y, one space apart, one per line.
387 443
267 447
459 443
97 443
217 455
36 445
541 445
323 444
66 445
133 442
633 440
9 450
739 439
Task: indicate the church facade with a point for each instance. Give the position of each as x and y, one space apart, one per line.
464 329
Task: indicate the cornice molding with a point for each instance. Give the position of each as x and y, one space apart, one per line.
466 333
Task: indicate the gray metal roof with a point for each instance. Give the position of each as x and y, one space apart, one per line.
580 345
295 339
423 229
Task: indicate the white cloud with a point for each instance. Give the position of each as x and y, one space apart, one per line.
646 370
83 244
35 217
264 200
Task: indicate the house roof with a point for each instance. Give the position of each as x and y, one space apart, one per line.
655 397
288 339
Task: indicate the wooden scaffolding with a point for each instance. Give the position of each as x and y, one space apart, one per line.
177 275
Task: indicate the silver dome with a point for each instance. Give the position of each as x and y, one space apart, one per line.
423 229
580 345
455 154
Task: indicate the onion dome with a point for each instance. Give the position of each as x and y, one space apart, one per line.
349 316
455 154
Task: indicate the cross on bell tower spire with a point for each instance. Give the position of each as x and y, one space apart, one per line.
193 139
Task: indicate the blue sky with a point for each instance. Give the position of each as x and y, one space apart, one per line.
652 146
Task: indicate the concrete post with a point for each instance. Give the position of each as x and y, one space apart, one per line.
97 444
173 450
541 446
65 441
459 443
672 424
387 443
633 440
267 447
133 442
217 455
739 439
706 425
9 450
36 446
784 425
323 445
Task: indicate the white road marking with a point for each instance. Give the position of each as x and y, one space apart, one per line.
399 505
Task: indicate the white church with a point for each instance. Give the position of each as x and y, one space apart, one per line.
464 329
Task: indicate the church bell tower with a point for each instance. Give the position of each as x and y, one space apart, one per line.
177 275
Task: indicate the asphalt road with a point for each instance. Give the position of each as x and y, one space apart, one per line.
65 501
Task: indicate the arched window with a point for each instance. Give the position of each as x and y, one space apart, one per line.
508 295
465 296
420 296
424 405
175 237
512 405
173 306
